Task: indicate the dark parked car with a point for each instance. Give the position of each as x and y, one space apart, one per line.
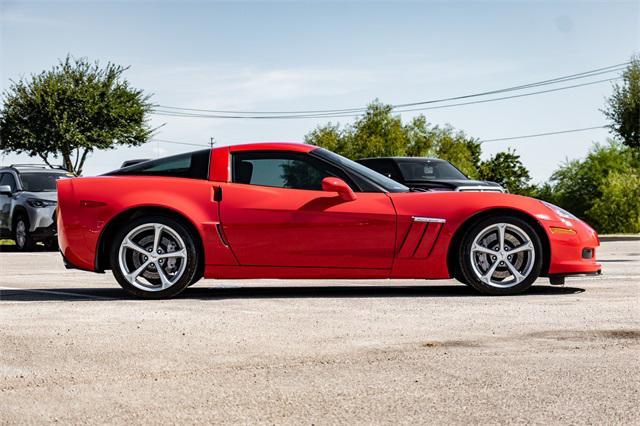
133 162
428 174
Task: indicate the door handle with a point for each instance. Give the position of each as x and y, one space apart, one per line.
217 194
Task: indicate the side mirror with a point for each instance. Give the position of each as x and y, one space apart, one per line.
332 184
5 190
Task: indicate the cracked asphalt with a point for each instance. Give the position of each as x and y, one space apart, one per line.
75 349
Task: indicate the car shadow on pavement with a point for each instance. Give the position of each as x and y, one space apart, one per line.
290 292
12 249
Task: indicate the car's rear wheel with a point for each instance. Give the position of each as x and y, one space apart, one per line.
154 257
21 234
501 255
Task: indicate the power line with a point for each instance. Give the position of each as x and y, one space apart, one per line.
337 115
535 135
176 142
557 89
584 129
571 77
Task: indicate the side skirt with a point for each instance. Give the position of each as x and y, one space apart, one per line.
258 272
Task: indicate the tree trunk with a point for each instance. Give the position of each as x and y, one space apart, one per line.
80 165
66 162
44 158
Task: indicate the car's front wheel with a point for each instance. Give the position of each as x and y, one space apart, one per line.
154 257
501 255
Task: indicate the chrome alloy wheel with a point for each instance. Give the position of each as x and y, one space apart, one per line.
152 257
21 233
502 255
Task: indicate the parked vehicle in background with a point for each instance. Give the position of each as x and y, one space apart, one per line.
28 201
428 173
132 162
285 210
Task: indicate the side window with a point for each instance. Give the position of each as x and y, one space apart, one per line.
8 179
193 165
281 170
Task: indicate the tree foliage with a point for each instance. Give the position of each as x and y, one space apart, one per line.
585 187
618 209
71 110
506 169
380 133
623 107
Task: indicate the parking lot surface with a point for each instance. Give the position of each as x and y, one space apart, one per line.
75 349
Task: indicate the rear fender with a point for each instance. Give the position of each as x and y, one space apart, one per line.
97 202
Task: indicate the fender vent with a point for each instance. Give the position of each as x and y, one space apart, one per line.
421 237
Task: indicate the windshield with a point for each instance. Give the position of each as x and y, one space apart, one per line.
380 180
428 169
40 182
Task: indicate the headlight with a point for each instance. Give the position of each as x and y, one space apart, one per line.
560 211
39 203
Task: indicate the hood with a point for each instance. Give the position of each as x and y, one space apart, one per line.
462 205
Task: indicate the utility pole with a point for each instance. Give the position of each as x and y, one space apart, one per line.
212 141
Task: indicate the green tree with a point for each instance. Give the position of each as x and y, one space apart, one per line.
618 209
72 110
506 169
544 191
380 133
623 107
455 147
328 136
578 185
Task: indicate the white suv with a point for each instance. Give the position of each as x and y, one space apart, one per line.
28 201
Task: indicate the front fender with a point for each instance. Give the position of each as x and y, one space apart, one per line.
456 209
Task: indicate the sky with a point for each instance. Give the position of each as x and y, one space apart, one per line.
298 55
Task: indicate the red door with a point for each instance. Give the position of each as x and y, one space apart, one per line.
271 226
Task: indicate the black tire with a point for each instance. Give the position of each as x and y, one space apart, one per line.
24 241
191 260
460 278
195 280
530 260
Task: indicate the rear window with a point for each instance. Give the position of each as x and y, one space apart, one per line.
193 165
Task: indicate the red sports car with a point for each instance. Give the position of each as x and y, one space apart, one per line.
286 210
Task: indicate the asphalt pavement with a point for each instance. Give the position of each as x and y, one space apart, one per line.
75 349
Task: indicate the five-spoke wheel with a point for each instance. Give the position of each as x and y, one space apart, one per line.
501 255
154 257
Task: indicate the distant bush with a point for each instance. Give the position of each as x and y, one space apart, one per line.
603 189
618 209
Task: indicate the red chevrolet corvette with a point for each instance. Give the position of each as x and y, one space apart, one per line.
285 210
